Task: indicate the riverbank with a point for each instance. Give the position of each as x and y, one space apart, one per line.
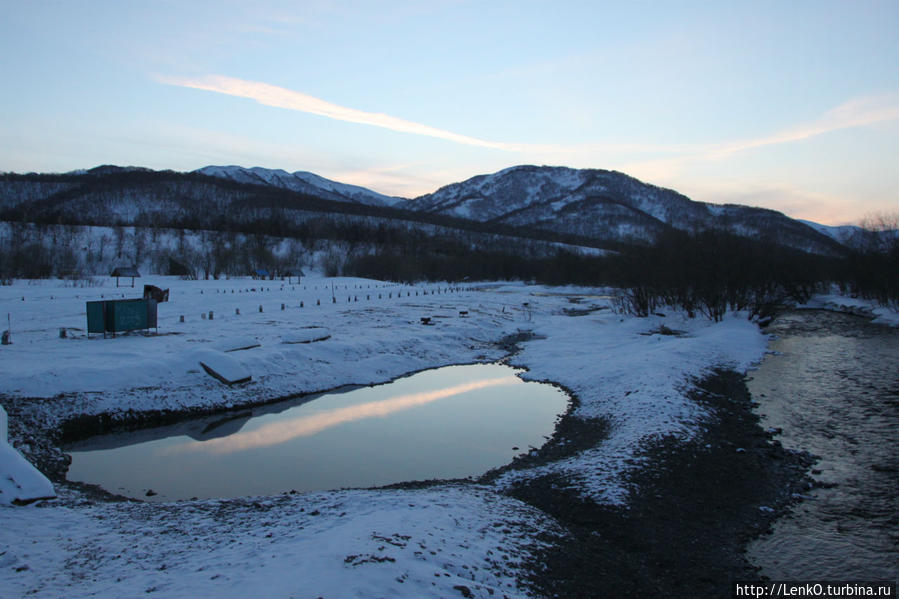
636 431
854 306
694 506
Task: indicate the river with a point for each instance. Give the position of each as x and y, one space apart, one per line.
832 385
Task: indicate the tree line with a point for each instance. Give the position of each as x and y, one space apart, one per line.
871 270
706 273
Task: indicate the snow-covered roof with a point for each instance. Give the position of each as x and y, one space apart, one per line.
125 271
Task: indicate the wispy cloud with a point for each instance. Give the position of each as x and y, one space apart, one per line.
860 112
661 162
854 113
280 97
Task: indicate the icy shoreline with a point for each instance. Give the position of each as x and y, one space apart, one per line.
429 542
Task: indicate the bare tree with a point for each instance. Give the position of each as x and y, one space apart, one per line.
881 231
119 240
874 265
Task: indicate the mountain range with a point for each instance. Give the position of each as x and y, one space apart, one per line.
586 203
587 206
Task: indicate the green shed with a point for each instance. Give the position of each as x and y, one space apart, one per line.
116 316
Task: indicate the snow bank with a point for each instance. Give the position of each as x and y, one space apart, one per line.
222 366
237 344
857 306
19 480
307 335
625 372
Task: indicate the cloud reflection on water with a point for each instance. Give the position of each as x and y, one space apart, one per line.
282 431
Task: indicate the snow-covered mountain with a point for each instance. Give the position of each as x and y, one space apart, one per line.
607 205
879 237
843 233
584 206
300 181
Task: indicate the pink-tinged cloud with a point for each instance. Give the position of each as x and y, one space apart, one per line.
279 97
668 162
860 112
668 158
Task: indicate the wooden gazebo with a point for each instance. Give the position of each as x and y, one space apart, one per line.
125 271
293 272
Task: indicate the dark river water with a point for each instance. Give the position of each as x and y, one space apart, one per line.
450 422
833 387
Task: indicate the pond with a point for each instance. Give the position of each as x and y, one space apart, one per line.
451 422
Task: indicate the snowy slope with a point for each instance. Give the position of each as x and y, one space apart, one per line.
300 181
843 233
534 193
605 205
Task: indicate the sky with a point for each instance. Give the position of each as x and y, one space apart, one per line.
792 106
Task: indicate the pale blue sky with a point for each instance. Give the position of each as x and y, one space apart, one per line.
787 105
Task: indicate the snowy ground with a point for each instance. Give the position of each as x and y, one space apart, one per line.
428 543
444 541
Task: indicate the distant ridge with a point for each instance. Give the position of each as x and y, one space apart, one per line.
601 204
593 207
300 181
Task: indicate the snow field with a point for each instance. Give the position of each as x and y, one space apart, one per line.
373 339
365 543
343 544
